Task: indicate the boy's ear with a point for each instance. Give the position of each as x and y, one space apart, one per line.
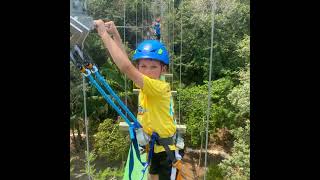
164 68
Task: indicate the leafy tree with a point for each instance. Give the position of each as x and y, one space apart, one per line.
109 142
240 96
214 172
237 166
76 106
230 28
194 105
108 173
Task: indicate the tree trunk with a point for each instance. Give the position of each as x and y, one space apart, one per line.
74 142
79 143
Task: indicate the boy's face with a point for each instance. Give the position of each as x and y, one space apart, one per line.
150 68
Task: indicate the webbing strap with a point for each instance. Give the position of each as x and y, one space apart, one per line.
165 142
131 162
116 97
154 138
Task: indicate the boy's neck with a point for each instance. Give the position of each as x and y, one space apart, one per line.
162 77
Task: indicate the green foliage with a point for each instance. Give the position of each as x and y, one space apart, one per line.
72 165
243 49
105 9
97 108
230 108
76 94
90 170
109 142
108 173
238 165
194 104
114 10
231 34
214 172
240 96
95 48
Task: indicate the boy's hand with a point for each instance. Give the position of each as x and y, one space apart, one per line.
111 28
99 25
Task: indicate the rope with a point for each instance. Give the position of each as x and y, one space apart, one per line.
124 41
114 95
201 132
161 15
153 11
170 41
168 25
172 44
142 18
209 87
111 103
173 28
147 17
180 59
136 23
86 123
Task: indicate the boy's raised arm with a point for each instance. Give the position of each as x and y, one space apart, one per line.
119 57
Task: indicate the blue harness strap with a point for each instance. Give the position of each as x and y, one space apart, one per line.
136 148
114 106
134 143
131 161
154 138
107 98
115 96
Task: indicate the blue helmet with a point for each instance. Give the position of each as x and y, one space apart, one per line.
152 49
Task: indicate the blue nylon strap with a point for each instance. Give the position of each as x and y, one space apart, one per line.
107 98
131 161
116 97
136 147
134 144
154 138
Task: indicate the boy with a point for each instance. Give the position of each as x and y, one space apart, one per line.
155 111
156 27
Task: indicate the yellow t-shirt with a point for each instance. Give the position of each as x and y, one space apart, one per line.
155 110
